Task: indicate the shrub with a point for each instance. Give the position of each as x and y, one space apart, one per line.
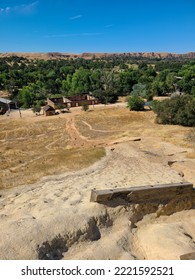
178 110
36 108
135 103
154 105
85 107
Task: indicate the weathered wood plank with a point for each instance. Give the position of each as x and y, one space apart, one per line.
144 193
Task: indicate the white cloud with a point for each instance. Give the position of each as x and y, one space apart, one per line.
75 17
20 9
92 34
73 35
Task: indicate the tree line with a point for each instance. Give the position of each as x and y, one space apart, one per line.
31 81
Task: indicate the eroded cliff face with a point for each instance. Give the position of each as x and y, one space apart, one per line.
149 231
126 232
159 55
87 55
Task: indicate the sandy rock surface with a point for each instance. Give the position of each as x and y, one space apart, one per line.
54 219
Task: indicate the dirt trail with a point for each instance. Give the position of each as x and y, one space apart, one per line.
100 130
76 138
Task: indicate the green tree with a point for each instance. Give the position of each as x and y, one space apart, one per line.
67 84
139 90
123 66
135 103
109 80
36 108
171 82
126 81
177 110
157 87
108 92
27 96
81 81
106 97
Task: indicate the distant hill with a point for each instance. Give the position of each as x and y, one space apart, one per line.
58 55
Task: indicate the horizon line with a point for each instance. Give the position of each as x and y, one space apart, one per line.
94 52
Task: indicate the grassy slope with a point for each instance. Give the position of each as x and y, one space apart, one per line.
31 150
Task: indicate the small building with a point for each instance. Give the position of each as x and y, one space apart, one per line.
67 102
55 102
48 110
59 102
72 101
78 100
6 105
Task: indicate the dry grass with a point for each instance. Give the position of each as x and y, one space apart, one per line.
120 123
110 122
33 149
190 139
191 136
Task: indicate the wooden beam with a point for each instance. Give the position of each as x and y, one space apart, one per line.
141 194
188 256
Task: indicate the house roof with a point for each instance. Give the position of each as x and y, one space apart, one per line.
56 99
82 97
48 108
6 101
67 100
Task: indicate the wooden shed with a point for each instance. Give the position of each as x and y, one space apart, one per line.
6 105
48 110
59 102
78 100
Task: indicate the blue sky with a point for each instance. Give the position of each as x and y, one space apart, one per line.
75 26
